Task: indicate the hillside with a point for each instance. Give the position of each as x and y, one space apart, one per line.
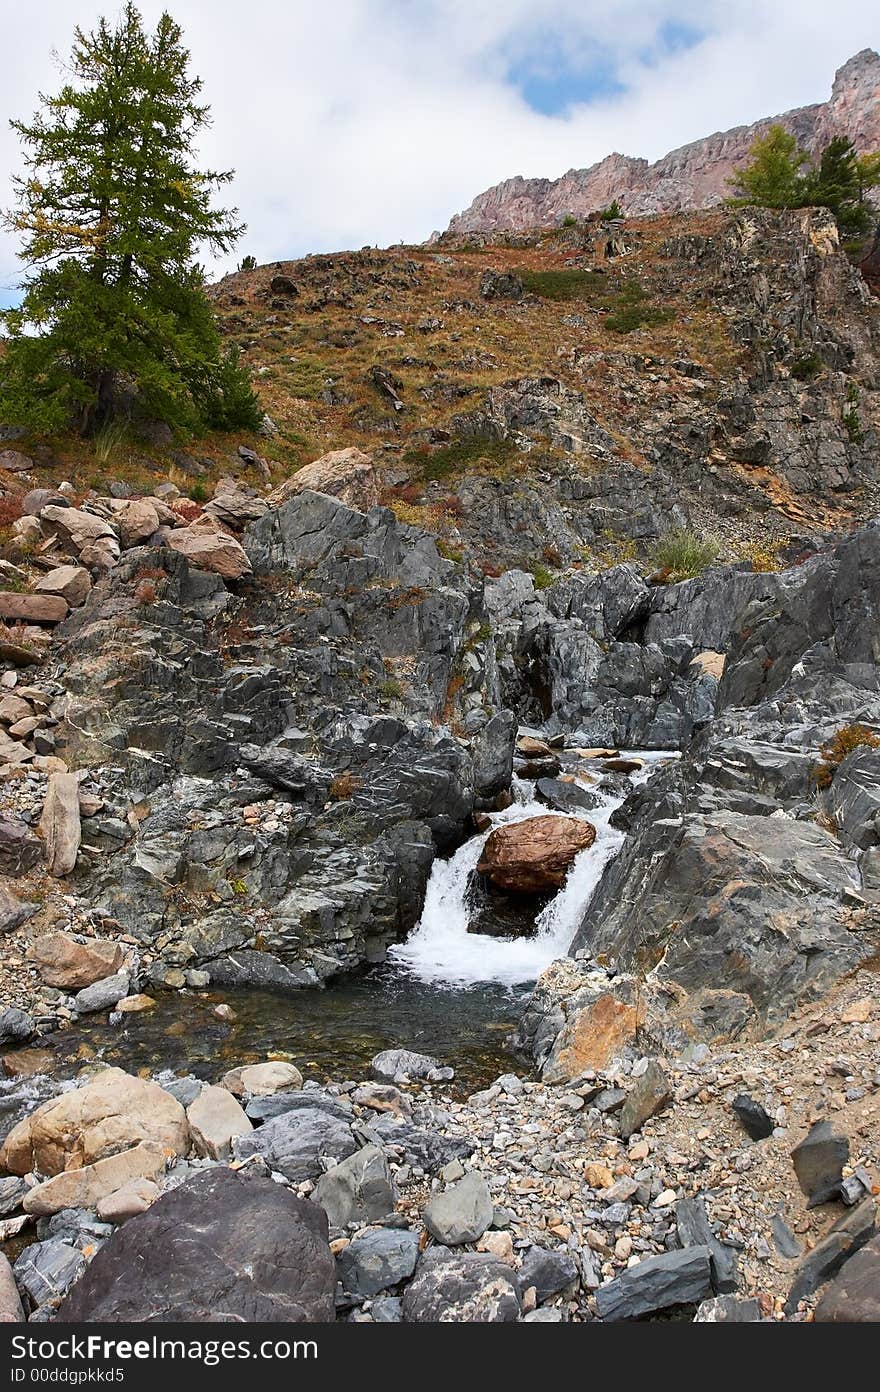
694 176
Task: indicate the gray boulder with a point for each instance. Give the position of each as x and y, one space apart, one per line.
359 1190
461 1288
378 1260
461 1213
296 1143
46 1270
657 1283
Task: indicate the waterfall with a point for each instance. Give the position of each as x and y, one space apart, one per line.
441 949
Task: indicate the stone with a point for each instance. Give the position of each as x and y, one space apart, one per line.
382 1097
492 753
111 1112
394 1064
534 855
818 1162
11 1311
648 1095
452 1287
565 795
378 1260
16 1027
550 1270
657 1283
70 965
501 285
358 1190
102 995
461 1213
853 1297
13 911
847 1236
17 607
591 1038
12 1191
133 1198
136 519
15 462
728 1309
60 823
296 1143
20 850
346 474
45 1271
207 549
753 1118
215 1119
133 1005
218 1247
263 1079
87 1185
72 582
695 1230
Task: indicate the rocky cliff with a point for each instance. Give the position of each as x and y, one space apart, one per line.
694 176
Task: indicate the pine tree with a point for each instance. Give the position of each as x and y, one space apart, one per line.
112 211
838 184
772 179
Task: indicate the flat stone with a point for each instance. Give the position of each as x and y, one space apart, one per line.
649 1095
46 1270
32 608
695 1230
133 1198
72 582
87 1186
657 1283
846 1236
728 1309
297 1143
550 1270
102 995
60 823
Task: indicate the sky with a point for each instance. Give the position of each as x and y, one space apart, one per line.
372 121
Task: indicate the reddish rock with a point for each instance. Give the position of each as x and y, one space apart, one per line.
534 855
346 474
32 608
71 582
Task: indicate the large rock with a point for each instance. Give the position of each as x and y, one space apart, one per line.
72 582
461 1213
297 1142
648 1095
378 1260
87 1185
19 848
657 1283
111 1113
263 1079
452 1287
346 474
215 1119
818 1162
845 1237
206 547
103 994
534 855
32 608
137 520
45 1271
492 752
60 823
70 965
358 1190
219 1247
853 1297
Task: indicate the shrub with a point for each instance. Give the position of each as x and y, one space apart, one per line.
542 577
612 212
479 455
631 309
343 786
198 493
806 366
681 554
569 220
843 742
851 420
248 263
230 402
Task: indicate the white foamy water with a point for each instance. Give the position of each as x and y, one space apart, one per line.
441 949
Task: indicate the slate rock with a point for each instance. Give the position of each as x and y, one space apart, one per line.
296 1142
279 1103
359 1190
46 1270
818 1162
853 1297
461 1213
423 1149
220 1247
649 1095
753 1118
695 1230
657 1283
378 1260
550 1270
728 1309
848 1235
452 1287
16 1026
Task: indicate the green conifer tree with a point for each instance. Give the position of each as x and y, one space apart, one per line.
772 179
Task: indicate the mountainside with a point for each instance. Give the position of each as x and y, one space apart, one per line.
695 176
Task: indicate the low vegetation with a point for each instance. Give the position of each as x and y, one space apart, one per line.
842 743
680 555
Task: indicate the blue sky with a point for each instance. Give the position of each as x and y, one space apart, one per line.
377 120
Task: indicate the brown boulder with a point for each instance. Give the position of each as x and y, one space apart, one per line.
70 965
112 1112
534 855
86 1186
32 608
71 582
60 823
137 520
207 547
346 474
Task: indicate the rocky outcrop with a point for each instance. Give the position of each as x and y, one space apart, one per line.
695 176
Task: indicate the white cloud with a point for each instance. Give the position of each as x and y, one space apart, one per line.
375 120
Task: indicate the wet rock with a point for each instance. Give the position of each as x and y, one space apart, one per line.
853 1297
818 1162
657 1283
461 1213
565 795
492 752
755 1121
550 1270
392 1065
648 1095
846 1236
46 1270
296 1143
16 1027
71 965
378 1260
534 855
358 1190
218 1247
461 1288
110 1113
103 994
215 1120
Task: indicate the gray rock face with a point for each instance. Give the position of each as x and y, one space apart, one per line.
853 1297
461 1288
461 1213
848 1235
378 1260
357 1190
295 1142
219 1247
46 1270
854 798
493 755
657 1283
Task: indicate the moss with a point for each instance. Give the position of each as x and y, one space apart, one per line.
542 577
568 284
462 456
